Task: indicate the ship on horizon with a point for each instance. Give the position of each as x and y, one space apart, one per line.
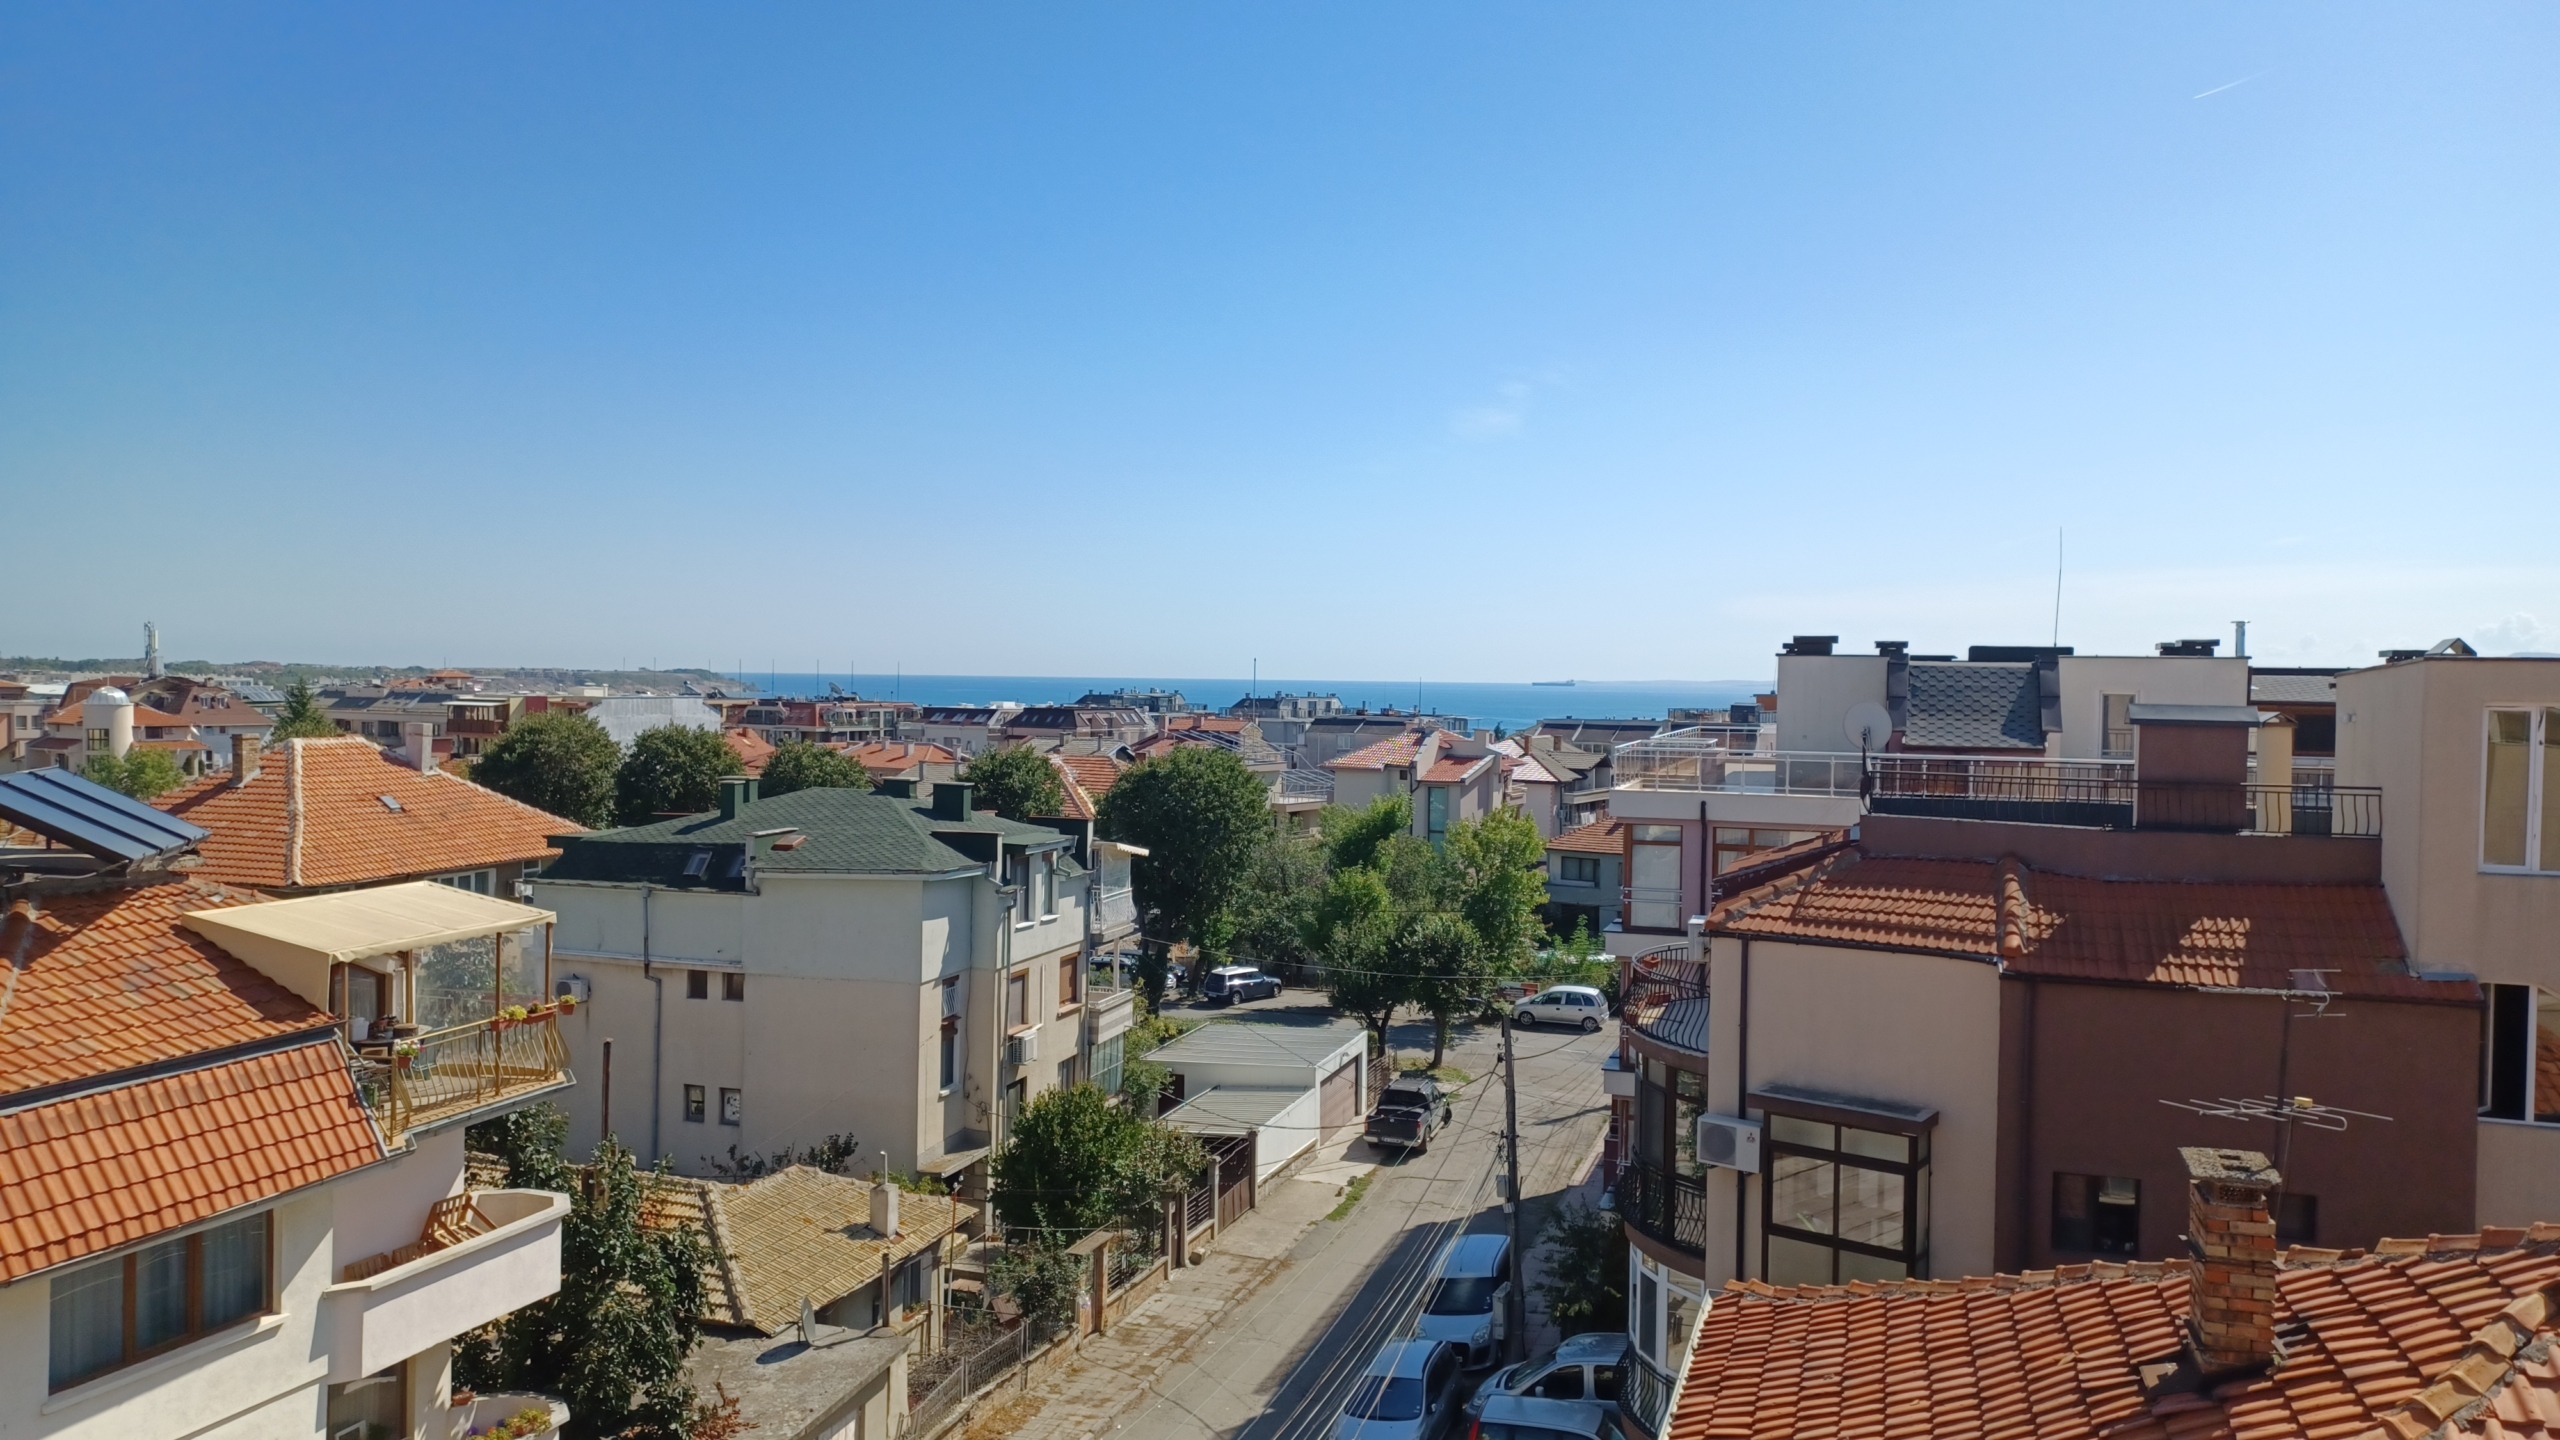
1551 682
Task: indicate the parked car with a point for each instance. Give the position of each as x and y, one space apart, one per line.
1585 1367
1409 1392
1470 1300
1409 1112
1524 1417
1235 984
1578 1006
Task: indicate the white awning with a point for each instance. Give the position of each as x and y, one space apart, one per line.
296 941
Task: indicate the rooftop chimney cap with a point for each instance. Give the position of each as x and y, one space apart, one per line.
951 799
1809 645
2245 1169
737 792
2188 649
1893 647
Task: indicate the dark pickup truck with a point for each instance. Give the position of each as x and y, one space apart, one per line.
1408 1112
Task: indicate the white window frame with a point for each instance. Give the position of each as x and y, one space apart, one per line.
2537 744
478 882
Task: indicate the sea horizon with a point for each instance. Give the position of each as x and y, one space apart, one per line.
1483 704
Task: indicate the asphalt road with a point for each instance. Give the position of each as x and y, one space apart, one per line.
1278 1366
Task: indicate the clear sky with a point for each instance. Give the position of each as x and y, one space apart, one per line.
1471 340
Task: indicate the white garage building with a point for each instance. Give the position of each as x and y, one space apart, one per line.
1286 1085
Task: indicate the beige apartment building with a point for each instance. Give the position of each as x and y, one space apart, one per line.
821 963
2466 754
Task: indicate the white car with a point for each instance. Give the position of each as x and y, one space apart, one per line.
1577 1006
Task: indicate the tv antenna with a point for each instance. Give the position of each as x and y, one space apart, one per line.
2287 1113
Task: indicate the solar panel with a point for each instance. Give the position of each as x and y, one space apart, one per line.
91 818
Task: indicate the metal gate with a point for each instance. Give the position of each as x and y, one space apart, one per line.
1338 1099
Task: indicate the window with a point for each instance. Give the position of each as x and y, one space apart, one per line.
2115 720
1026 903
1048 872
478 882
2522 1051
1017 1000
912 1285
697 984
1653 878
2520 793
733 985
373 1408
693 1108
1843 1203
733 1107
950 1054
1067 1072
2097 1214
1436 813
1580 870
1070 981
1108 1058
2297 1219
1736 843
115 1312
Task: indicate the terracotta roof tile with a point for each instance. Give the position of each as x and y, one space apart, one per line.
345 835
751 749
1396 750
112 981
104 1169
1455 769
894 758
2069 927
1604 836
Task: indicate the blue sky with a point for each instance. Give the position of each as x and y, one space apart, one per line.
1476 341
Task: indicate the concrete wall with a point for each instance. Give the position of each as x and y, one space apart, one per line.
1358 789
2150 679
1816 694
2091 1064
1910 1029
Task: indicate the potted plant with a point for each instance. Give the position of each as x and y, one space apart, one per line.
568 1004
404 1053
512 1015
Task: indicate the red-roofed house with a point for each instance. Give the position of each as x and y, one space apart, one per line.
215 1214
1585 867
920 764
1450 778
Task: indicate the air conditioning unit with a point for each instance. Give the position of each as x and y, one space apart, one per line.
1730 1143
1024 1048
572 987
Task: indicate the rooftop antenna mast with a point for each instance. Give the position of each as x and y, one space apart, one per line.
2057 585
2286 1112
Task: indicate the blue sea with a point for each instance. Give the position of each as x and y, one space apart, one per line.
1507 707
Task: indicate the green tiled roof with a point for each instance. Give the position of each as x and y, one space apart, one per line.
849 831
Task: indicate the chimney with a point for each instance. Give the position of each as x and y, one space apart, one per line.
895 789
951 799
737 792
244 760
2231 1302
418 743
884 1203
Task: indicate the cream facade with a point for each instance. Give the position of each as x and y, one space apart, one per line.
2466 753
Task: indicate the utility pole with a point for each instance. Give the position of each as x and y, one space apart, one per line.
1516 1322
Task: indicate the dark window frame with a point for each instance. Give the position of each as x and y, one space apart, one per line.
733 985
2088 1236
697 1104
1913 1171
697 984
195 1329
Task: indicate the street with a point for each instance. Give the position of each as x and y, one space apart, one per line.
1277 1363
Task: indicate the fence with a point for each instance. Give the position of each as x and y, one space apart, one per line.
1669 1207
968 1375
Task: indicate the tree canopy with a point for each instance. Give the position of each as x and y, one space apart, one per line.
613 1341
1442 958
1017 783
1352 837
1076 1163
142 774
1275 908
671 770
557 762
803 765
1199 813
302 718
1352 933
1497 875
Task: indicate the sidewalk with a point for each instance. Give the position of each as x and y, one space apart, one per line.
1116 1373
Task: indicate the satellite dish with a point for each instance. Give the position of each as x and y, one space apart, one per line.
1869 726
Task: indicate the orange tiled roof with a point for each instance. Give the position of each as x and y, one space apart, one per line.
73 716
1604 836
1455 769
751 749
1396 750
344 834
112 981
2068 927
2390 1344
106 1168
886 757
1227 724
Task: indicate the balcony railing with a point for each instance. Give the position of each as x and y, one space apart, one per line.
1647 1394
1953 790
460 1070
1672 1208
1667 999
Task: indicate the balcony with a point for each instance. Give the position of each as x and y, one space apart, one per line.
1668 1207
1109 1014
1709 761
2105 795
480 1257
446 1075
1667 999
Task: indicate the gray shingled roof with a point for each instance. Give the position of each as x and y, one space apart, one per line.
1965 705
849 831
2279 689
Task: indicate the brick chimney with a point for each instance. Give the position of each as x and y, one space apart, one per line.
244 760
2231 1231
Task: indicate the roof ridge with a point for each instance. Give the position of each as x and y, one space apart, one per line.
293 812
1744 904
2474 1373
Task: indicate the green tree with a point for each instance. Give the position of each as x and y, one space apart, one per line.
1352 933
1497 874
557 762
1586 1281
142 774
801 765
1275 911
1017 783
302 717
1043 1281
613 1341
672 770
1076 1163
1351 837
1199 812
1445 959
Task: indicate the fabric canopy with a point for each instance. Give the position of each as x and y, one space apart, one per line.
360 924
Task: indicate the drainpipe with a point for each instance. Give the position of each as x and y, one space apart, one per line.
1742 1106
657 1021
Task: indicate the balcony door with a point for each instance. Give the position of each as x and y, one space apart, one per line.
1653 878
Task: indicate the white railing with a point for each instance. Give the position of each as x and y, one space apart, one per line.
1692 760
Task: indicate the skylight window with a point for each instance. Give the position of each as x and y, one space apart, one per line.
389 803
697 864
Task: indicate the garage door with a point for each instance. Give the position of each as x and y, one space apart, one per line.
1340 1097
